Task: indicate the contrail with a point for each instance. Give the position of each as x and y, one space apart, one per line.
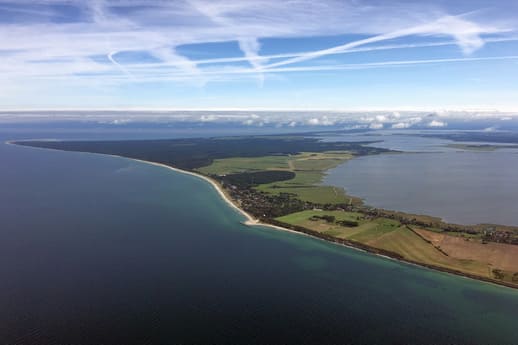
119 66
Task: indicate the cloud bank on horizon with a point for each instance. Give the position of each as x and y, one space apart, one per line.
266 120
356 54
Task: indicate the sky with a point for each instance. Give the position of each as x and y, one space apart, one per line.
259 54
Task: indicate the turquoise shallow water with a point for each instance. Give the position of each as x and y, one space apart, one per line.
98 249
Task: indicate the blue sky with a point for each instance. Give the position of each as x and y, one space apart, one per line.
259 54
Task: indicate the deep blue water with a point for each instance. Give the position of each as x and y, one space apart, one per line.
103 250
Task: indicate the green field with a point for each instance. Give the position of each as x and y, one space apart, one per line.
309 169
385 234
364 232
382 233
245 164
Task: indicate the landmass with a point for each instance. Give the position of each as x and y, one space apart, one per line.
276 181
500 137
480 147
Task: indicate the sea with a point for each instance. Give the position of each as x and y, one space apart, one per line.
104 250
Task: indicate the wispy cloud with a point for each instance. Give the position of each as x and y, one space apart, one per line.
83 41
250 47
466 34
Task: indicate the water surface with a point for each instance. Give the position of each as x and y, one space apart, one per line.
460 186
104 250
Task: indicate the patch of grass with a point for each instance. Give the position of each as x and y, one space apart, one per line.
302 178
319 161
309 169
374 229
477 236
385 234
413 247
366 229
315 194
245 164
303 216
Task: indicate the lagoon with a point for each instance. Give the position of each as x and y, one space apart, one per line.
460 186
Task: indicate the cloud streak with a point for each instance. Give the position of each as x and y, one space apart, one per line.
465 33
113 43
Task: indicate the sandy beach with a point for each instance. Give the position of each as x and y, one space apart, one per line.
251 221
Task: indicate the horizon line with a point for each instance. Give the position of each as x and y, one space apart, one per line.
485 109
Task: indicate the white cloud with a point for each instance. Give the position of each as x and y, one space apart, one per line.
355 127
322 121
376 125
254 119
208 118
114 27
325 121
437 123
466 34
88 52
344 120
250 47
396 120
401 125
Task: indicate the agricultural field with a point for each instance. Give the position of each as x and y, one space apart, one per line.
492 260
497 255
309 169
361 233
245 164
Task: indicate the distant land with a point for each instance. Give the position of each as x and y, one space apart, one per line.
480 147
502 137
276 180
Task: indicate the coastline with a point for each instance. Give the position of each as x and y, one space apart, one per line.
251 221
214 184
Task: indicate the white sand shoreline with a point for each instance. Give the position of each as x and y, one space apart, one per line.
214 184
250 220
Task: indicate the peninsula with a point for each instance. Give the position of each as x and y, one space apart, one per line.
276 181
